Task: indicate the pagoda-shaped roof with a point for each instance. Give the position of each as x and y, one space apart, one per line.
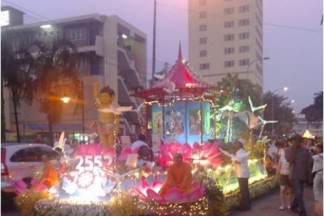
181 75
179 81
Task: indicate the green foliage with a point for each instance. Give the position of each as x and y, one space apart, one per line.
16 67
314 112
235 92
279 110
213 193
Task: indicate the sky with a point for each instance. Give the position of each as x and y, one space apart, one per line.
292 36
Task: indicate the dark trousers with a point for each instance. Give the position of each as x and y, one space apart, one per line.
298 201
245 202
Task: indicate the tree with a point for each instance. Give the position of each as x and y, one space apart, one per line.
282 112
236 92
55 75
314 112
16 66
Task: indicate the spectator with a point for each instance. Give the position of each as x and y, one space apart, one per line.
178 176
142 148
317 172
242 173
38 138
299 159
283 175
139 142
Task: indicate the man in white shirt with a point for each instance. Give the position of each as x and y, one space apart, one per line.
138 143
242 172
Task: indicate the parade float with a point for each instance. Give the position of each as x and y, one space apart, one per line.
96 181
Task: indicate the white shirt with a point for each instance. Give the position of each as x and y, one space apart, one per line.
137 144
272 151
241 162
318 162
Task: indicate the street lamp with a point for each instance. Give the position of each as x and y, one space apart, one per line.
272 105
258 59
65 99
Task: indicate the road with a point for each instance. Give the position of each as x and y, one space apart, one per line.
268 205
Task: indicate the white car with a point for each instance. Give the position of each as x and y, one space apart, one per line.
22 160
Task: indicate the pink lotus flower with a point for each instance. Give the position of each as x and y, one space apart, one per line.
206 154
149 192
20 186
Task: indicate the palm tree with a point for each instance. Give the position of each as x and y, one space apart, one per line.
16 66
55 75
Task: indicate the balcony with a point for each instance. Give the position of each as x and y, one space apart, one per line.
85 46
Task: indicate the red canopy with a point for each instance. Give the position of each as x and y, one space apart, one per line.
183 81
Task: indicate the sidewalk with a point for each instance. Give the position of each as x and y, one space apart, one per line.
268 205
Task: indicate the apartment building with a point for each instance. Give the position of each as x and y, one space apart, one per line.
225 36
110 51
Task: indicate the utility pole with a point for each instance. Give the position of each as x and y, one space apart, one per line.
83 104
154 36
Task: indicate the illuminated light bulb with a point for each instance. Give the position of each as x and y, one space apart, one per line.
228 167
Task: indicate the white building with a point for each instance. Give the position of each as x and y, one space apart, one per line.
315 128
110 51
226 36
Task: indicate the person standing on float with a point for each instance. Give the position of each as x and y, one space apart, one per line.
240 160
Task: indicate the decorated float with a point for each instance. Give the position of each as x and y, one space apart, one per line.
96 181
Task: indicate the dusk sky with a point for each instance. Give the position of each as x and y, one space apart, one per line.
293 36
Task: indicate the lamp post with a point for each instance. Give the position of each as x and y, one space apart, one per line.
272 105
258 59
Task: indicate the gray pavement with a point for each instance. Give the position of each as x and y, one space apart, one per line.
268 205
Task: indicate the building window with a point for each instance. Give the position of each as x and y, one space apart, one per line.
94 66
76 34
202 14
228 11
244 8
229 24
228 64
204 66
229 37
202 2
203 53
244 35
81 63
203 40
203 27
229 50
244 49
244 22
244 62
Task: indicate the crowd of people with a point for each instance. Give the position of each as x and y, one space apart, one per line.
298 163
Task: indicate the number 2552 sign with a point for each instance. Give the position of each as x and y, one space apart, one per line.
90 161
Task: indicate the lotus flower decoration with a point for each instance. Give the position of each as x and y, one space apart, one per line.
150 192
206 155
20 186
